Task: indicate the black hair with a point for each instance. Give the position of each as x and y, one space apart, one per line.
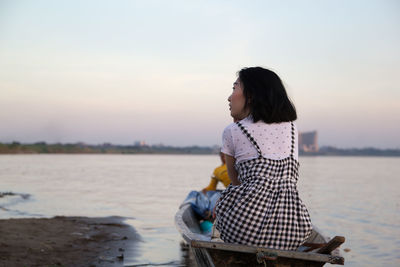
266 96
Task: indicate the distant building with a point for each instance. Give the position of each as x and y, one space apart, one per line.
140 143
308 142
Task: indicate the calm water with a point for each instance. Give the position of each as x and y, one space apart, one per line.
356 197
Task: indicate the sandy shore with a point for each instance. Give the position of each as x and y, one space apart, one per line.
65 241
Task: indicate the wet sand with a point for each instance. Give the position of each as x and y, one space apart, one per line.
65 241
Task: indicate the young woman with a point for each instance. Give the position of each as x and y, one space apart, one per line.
262 206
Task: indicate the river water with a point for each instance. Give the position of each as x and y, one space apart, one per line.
356 197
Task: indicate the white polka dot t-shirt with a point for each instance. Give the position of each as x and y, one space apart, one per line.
273 139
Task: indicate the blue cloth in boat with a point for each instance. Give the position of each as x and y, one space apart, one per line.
265 209
202 204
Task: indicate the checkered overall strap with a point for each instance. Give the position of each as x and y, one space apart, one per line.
248 135
292 148
251 139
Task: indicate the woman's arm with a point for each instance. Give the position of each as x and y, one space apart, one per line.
230 165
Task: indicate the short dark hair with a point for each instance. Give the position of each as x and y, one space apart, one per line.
266 96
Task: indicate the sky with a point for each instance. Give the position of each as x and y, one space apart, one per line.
161 71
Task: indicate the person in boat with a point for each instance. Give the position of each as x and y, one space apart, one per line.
220 175
262 206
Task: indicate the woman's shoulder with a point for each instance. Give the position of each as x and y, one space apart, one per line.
229 129
232 126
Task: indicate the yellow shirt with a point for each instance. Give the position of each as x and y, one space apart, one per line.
220 175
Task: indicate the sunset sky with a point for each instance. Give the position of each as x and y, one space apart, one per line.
161 71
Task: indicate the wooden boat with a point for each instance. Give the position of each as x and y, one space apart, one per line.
317 250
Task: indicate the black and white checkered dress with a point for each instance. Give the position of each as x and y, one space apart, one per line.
265 209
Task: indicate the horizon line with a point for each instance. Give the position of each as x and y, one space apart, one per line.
138 144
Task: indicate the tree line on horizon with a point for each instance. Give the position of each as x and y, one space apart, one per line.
107 148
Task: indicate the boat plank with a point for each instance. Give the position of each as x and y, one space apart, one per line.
309 256
239 259
203 258
331 245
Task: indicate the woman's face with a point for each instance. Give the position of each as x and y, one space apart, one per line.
237 102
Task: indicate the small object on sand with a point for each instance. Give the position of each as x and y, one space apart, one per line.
115 236
107 259
77 234
121 257
346 250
